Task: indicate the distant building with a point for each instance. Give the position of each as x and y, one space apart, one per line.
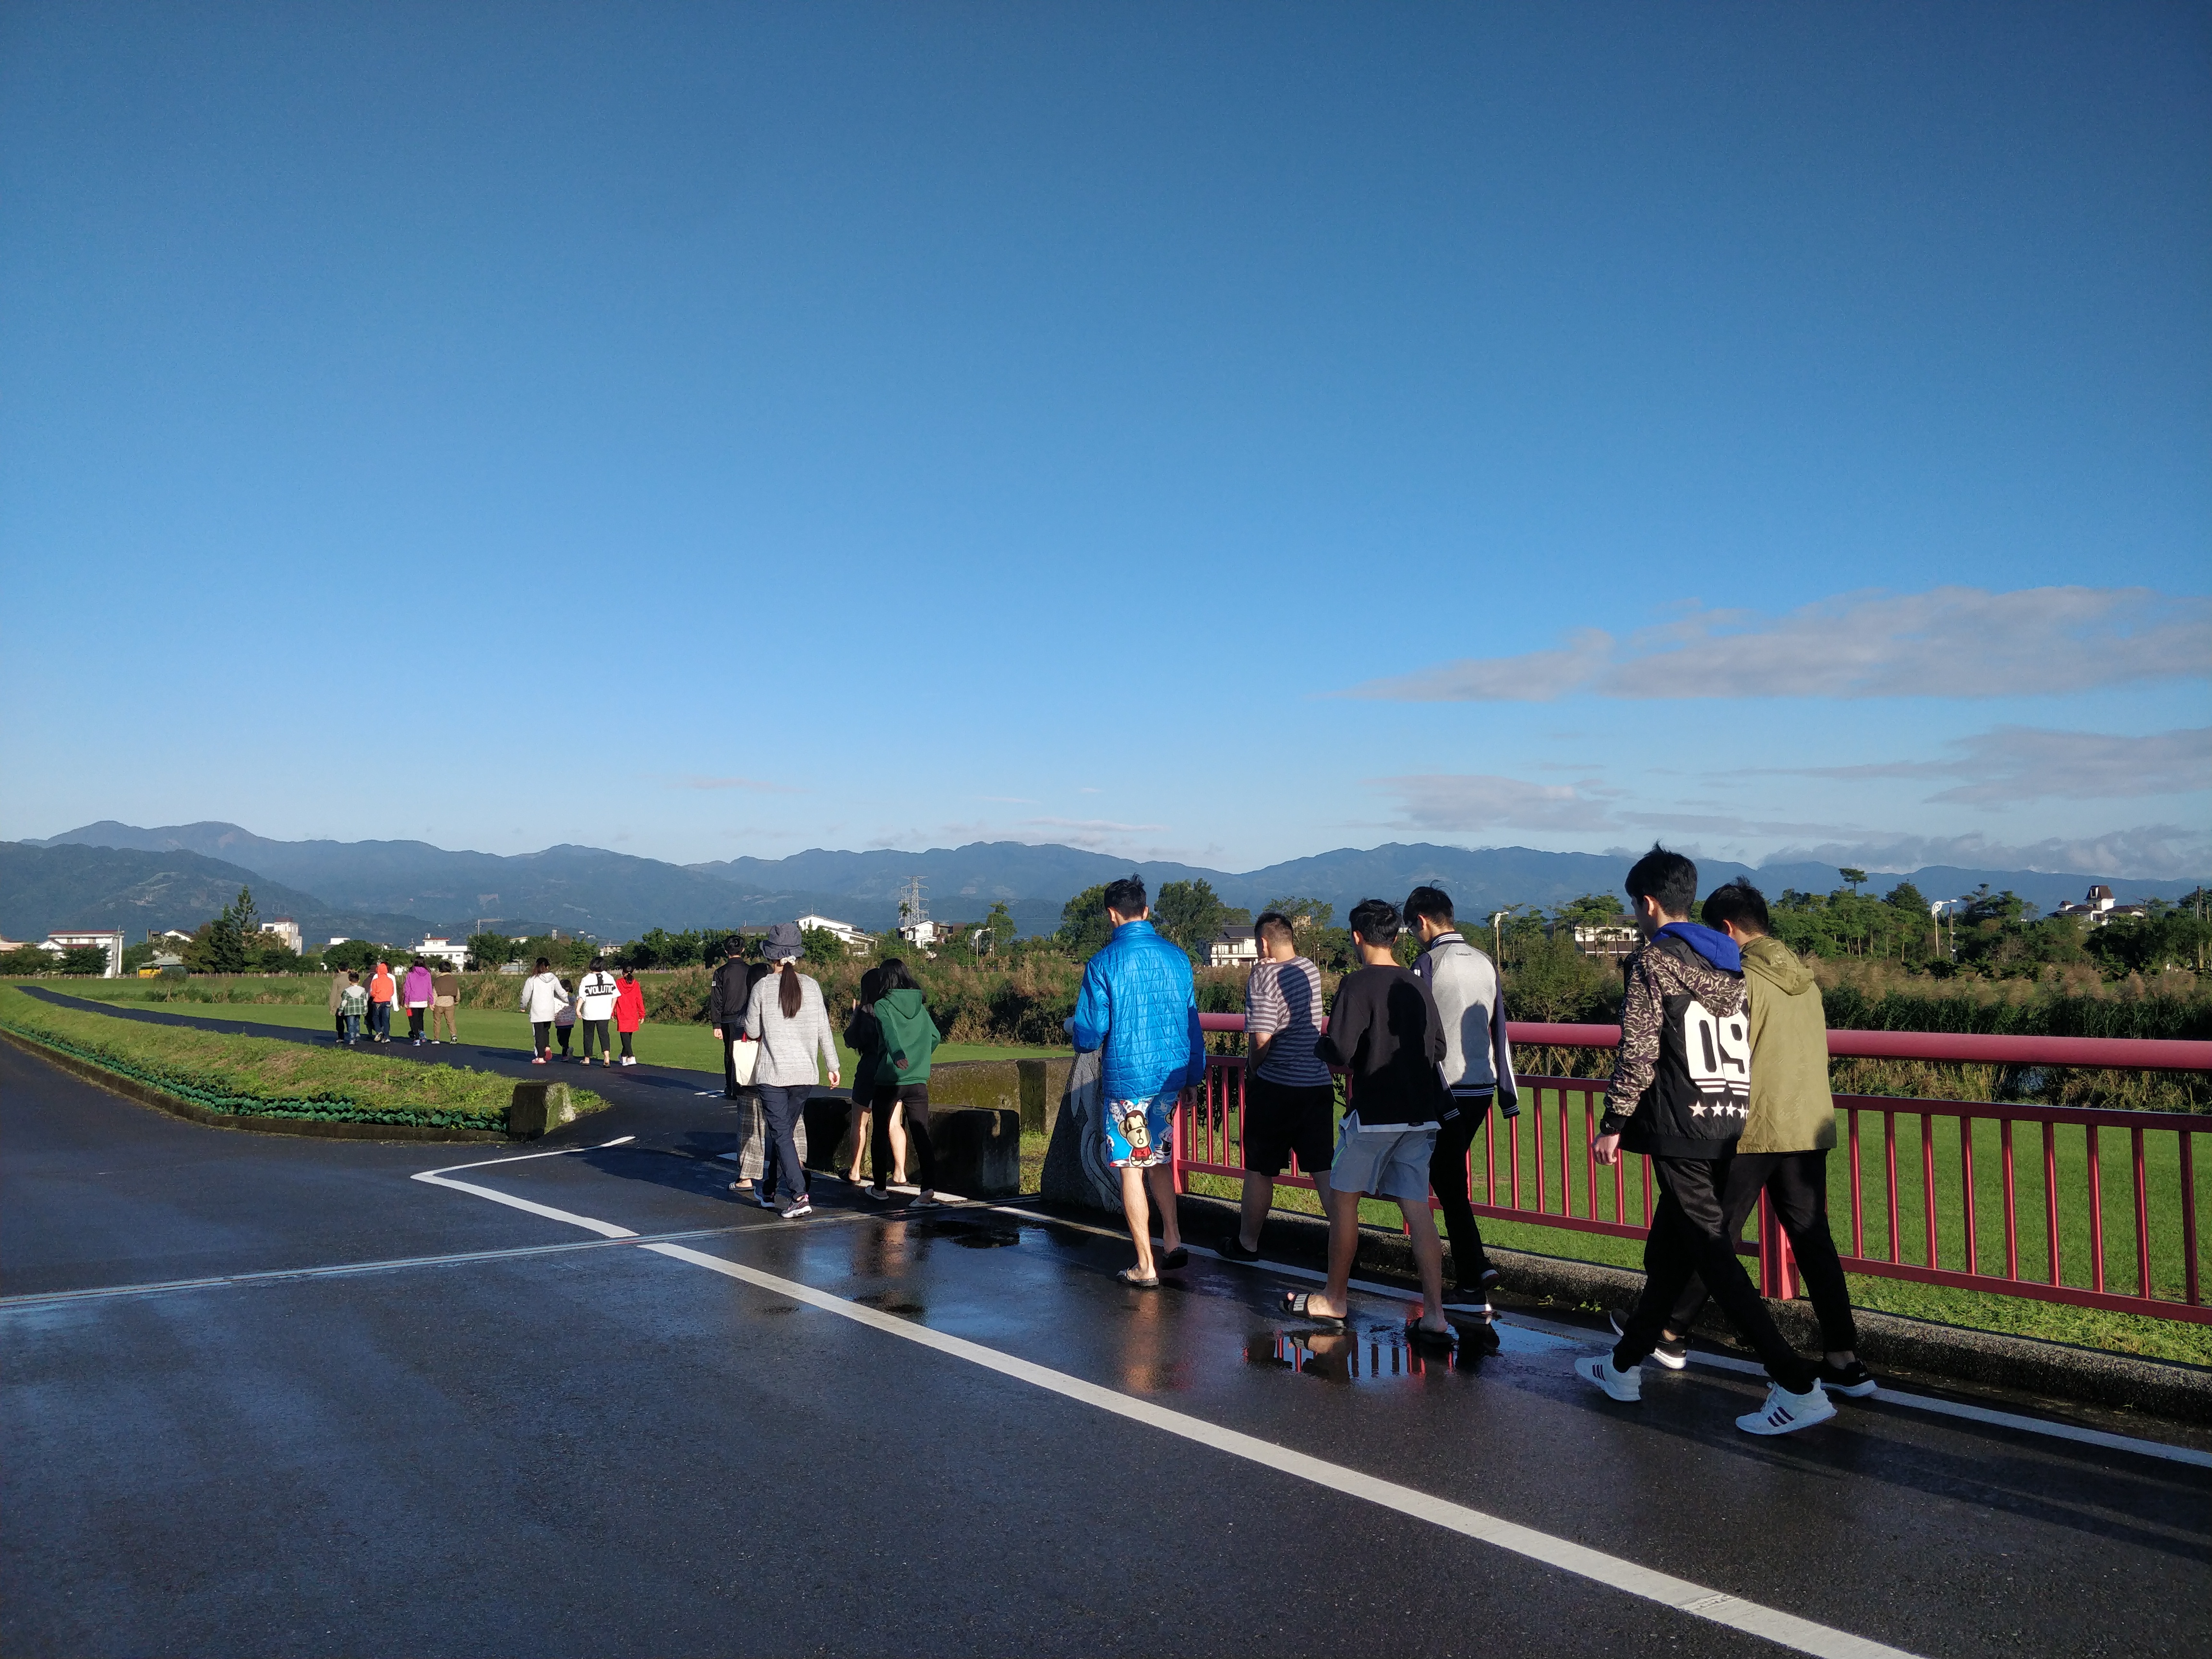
2097 908
164 962
287 930
1610 939
1236 946
339 939
109 940
442 949
851 938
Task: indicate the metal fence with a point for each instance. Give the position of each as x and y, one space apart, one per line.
1932 1184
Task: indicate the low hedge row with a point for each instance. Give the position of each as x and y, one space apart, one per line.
266 1077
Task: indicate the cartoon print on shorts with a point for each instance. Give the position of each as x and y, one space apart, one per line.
1134 1133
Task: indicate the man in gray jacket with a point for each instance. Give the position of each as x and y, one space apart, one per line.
1479 1067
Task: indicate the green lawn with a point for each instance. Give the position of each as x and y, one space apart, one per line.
678 1047
2130 1333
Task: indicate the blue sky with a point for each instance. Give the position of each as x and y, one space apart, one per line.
1223 433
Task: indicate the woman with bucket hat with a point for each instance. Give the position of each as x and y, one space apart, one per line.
787 1015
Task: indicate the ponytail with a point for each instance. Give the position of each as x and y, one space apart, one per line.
787 992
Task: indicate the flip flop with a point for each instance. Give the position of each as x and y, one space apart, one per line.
1178 1257
1417 1331
1128 1276
1294 1304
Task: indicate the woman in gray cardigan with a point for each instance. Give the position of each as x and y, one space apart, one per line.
786 1015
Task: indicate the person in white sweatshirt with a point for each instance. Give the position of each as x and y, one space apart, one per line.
786 1015
595 1007
1479 1069
542 999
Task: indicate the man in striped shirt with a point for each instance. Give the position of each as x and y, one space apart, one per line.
1290 1099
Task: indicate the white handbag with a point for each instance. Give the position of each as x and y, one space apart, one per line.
744 1053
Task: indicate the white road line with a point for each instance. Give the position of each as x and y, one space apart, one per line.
1594 1340
1611 1571
605 1229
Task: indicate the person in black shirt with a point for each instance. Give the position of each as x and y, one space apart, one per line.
1384 1031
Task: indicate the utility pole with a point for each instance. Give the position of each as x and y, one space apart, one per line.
1498 933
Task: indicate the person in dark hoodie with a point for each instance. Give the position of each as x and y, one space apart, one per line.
727 996
1385 1033
863 1036
907 1036
1783 1151
1680 1094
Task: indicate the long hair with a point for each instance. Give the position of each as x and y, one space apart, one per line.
896 976
871 987
787 993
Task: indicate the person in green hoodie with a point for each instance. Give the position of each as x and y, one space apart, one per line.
907 1036
1783 1151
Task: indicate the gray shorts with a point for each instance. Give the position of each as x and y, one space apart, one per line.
1387 1162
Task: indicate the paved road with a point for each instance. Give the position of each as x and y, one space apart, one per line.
873 1432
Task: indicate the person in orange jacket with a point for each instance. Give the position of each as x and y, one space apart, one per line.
630 1010
383 990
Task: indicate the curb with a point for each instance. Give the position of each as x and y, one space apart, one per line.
1888 1342
313 1128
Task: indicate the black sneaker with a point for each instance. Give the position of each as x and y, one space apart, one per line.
1673 1352
1854 1379
1473 1303
796 1208
1231 1248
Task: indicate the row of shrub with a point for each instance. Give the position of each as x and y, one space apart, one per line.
269 1077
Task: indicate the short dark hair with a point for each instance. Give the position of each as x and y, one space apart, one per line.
544 962
1433 903
1126 897
1275 926
599 964
1376 921
1740 902
353 973
734 945
1668 878
898 977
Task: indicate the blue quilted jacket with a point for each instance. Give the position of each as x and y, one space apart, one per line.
1139 1003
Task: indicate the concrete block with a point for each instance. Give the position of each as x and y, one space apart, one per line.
979 1152
1075 1167
537 1107
1043 1087
829 1120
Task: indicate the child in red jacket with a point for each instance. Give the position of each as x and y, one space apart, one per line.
630 1010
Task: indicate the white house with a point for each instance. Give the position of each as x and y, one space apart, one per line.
1236 946
440 949
2097 908
851 937
108 939
286 929
1609 939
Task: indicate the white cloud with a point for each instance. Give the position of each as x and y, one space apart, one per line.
2021 763
1948 642
2152 852
1449 801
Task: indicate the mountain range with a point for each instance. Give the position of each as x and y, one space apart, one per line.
109 874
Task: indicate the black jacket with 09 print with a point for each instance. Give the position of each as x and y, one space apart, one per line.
1685 1053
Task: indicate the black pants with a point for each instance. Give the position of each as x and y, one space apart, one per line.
541 1038
1447 1180
414 1022
1797 1182
562 1031
921 1156
1689 1238
339 1021
729 1064
596 1028
626 1037
783 1172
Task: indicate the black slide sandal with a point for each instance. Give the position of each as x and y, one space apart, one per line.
1295 1303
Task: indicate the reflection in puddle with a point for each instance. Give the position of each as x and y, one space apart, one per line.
886 1302
987 1238
1377 1354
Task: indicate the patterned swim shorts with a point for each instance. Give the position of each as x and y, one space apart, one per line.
1137 1132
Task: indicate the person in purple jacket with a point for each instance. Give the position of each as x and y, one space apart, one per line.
1138 1005
416 995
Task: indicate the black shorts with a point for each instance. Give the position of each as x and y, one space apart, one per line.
1282 1118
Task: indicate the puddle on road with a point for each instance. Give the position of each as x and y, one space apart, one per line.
987 1238
1376 1354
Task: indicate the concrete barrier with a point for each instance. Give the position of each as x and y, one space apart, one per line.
978 1148
538 1107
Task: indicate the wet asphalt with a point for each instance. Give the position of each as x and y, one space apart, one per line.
560 1444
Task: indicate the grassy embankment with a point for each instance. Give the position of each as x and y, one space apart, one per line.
299 1002
268 1078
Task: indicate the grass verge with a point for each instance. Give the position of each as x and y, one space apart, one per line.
267 1076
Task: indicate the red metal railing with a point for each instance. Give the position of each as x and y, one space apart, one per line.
1548 1164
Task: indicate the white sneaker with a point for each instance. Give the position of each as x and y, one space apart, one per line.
1785 1412
1620 1385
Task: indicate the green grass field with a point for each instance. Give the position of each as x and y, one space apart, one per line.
2166 1339
678 1048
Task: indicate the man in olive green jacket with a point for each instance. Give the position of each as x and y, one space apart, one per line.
1784 1151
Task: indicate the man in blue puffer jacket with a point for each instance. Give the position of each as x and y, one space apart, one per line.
1137 1004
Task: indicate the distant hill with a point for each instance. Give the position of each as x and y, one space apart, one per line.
45 888
588 889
